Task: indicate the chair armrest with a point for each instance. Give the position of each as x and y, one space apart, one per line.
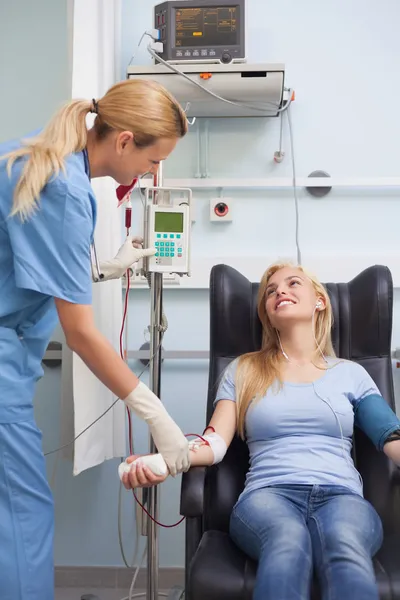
192 492
192 505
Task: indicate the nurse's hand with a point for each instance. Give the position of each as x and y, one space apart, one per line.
137 242
140 476
130 252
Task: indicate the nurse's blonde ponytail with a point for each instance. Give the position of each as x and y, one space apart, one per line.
45 153
143 107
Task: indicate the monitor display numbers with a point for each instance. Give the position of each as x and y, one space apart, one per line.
213 26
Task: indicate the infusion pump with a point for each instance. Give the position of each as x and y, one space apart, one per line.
167 228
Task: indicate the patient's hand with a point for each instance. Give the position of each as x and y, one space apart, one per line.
140 475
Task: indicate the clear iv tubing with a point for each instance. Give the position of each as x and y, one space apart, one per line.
128 222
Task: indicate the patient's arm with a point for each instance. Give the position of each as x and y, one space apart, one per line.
223 422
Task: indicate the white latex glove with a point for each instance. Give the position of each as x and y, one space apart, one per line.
130 252
169 439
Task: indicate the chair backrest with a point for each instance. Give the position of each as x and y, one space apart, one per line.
362 329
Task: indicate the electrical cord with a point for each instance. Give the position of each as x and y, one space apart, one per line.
134 579
94 422
121 545
213 94
296 199
280 134
123 356
83 431
135 576
150 34
123 353
54 472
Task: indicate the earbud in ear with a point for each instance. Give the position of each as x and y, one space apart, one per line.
319 304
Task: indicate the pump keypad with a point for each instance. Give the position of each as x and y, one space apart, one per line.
168 245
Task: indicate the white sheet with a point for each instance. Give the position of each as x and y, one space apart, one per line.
96 59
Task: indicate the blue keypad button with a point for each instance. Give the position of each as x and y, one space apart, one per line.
167 243
157 243
178 235
157 253
161 243
161 253
171 235
165 235
167 254
172 254
172 243
158 235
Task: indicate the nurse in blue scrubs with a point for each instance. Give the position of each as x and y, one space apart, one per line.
47 221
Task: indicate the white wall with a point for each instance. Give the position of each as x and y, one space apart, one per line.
343 61
36 63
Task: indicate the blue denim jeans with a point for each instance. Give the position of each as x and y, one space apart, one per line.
293 530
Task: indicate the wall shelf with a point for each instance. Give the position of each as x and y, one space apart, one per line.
279 182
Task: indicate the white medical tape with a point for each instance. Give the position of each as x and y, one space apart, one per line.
216 443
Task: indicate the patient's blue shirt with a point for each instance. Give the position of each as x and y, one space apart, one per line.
301 433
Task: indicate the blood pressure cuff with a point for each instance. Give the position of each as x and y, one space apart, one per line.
376 419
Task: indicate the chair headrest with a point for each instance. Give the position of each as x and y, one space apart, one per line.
362 312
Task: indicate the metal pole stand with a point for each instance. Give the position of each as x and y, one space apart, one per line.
177 593
162 197
155 383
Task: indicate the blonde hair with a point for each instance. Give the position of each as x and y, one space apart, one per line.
257 371
143 107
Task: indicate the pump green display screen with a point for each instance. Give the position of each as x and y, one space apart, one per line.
168 222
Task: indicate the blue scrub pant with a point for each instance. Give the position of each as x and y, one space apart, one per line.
26 515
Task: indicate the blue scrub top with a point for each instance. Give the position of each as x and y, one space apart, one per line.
44 258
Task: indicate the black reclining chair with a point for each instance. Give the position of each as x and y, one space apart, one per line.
215 568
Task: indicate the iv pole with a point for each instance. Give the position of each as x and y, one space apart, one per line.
149 527
155 384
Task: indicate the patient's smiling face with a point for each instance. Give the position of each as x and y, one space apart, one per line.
290 297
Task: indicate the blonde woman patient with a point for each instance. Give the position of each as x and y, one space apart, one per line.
296 405
47 222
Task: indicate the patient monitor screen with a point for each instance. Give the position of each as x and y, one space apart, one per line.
168 222
213 26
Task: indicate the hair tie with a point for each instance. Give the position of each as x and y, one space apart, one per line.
95 107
